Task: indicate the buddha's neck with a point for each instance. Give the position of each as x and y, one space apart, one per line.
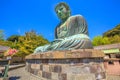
63 20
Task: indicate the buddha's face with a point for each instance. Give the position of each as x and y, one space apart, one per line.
62 12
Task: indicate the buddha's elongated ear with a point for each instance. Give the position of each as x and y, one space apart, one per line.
69 12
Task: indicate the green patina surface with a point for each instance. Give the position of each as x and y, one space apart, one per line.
70 33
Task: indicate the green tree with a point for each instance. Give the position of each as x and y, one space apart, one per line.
13 38
99 40
27 43
112 32
110 37
4 42
105 40
1 35
114 39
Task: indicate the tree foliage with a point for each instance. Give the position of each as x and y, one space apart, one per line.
2 35
27 43
5 43
99 40
113 32
109 37
24 44
13 38
114 39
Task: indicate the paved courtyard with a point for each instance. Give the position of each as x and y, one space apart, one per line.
113 78
21 74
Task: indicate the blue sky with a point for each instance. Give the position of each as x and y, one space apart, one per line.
19 16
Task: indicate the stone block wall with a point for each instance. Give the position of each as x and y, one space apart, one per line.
67 65
112 69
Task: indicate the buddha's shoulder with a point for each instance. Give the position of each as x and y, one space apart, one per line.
76 16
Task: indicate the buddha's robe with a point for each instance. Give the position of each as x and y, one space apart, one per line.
72 34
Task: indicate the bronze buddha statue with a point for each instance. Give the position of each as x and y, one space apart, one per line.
70 33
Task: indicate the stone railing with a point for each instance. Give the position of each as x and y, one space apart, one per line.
82 64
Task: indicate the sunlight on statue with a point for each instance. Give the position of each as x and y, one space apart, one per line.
70 33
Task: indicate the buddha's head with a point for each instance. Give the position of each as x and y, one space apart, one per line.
63 11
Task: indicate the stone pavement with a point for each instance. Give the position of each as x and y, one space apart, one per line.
21 74
113 77
13 66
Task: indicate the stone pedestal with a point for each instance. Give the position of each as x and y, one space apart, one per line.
81 64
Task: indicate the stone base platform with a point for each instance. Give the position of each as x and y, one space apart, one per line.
81 64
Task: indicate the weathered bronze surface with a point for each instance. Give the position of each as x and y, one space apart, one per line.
70 33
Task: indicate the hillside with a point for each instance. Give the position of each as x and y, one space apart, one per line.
112 32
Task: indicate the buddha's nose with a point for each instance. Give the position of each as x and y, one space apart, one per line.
59 12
